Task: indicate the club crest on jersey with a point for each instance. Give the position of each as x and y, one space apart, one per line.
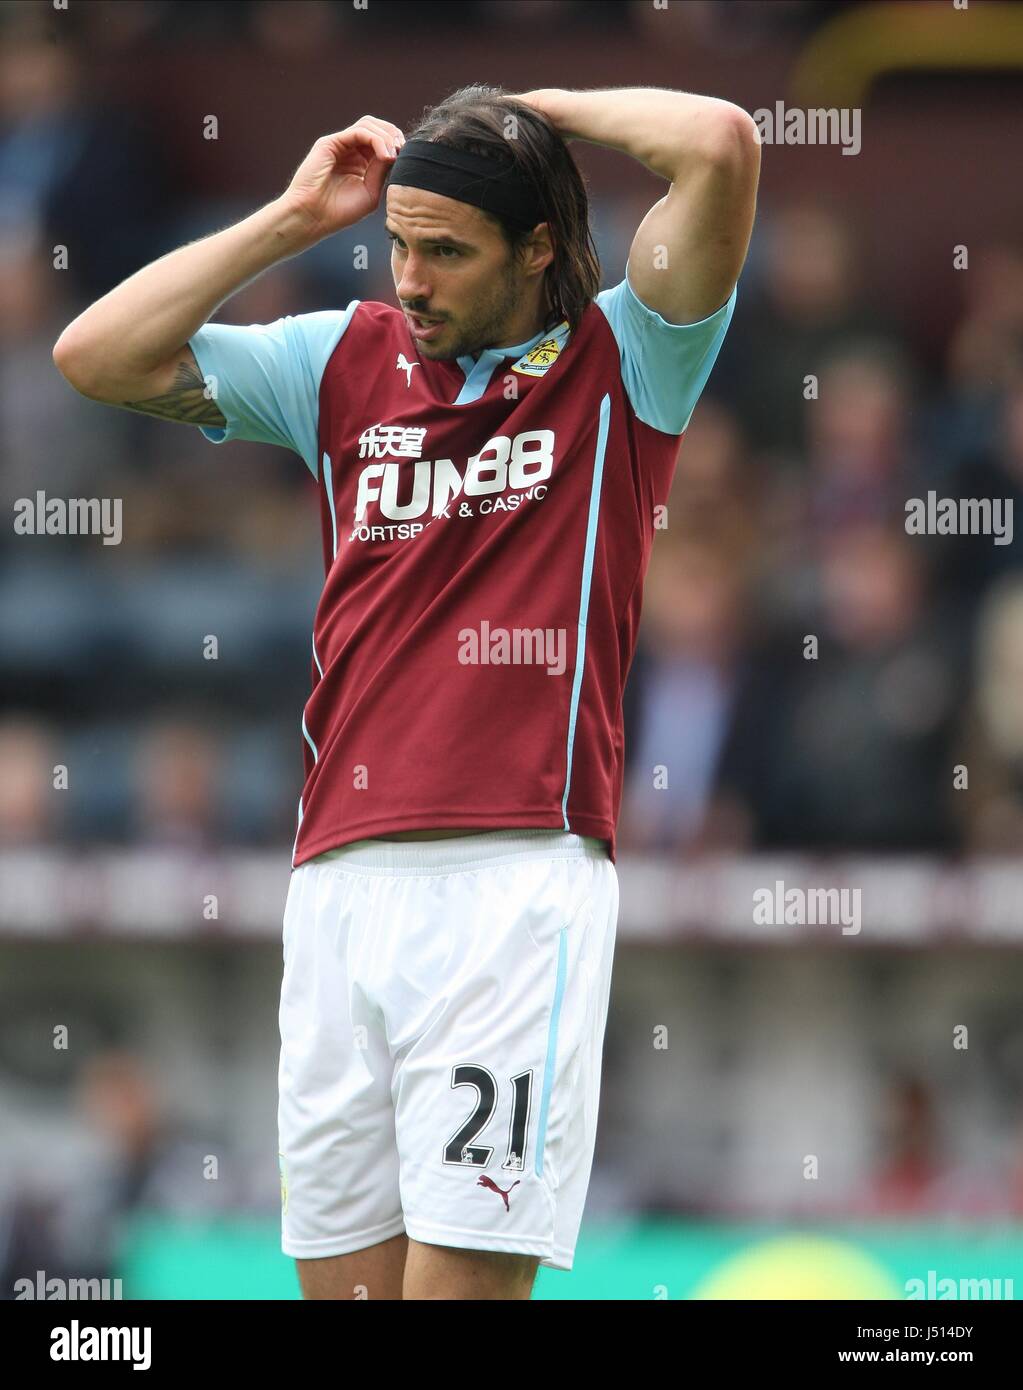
541 359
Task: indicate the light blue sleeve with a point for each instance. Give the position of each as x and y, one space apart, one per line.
266 377
665 366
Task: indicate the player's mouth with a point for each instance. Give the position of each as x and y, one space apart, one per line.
424 329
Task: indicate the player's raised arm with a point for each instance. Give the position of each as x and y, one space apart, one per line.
689 249
131 348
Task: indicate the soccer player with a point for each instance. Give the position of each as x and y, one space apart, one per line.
489 457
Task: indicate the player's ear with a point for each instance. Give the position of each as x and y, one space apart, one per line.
538 248
546 243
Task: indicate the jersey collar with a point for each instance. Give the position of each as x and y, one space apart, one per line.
493 355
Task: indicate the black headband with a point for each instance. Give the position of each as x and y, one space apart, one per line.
493 185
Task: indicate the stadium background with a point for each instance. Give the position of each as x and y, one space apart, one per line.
786 519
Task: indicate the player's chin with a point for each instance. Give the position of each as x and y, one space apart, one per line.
444 346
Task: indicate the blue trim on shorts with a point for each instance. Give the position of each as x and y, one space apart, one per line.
552 1048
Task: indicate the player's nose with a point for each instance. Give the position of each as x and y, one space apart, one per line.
411 287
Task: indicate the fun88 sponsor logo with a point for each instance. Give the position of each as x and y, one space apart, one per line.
506 472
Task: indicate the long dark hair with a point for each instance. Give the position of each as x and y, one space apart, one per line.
474 119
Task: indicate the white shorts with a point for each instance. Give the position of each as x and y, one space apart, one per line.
442 1023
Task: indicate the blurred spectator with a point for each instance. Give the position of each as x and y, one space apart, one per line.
917 1176
990 470
1015 1170
29 803
813 300
140 1162
50 437
991 806
859 458
714 493
852 747
857 465
73 172
910 1166
692 626
986 341
151 1161
177 786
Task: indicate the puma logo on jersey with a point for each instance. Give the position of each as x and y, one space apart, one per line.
489 1182
404 365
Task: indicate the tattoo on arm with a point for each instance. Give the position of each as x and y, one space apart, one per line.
186 402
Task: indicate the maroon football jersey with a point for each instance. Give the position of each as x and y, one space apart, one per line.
487 523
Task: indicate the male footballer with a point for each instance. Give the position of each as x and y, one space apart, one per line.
489 455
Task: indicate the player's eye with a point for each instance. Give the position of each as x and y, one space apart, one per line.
397 241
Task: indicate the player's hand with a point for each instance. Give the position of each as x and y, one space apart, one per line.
342 177
546 100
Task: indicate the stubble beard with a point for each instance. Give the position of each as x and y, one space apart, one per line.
485 327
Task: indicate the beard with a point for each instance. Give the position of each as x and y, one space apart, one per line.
483 327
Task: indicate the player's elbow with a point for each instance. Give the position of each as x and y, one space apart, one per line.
733 140
77 365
